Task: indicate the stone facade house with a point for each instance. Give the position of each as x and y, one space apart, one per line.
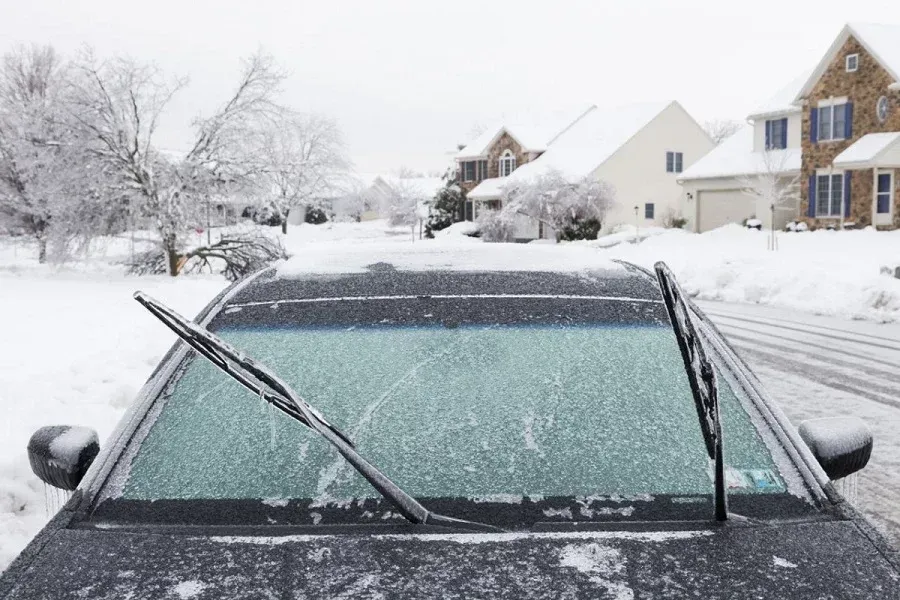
833 135
638 150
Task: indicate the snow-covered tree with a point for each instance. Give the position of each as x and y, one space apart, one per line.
306 161
496 225
560 204
118 104
446 207
772 188
721 129
404 206
46 181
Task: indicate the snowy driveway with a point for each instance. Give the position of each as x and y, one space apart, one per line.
817 366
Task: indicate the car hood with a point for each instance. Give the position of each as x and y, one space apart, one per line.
809 560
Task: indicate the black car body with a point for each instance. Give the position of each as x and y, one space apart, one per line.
804 543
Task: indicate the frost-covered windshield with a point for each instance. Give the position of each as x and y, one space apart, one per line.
478 411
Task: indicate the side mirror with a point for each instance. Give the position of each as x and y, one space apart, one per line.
60 454
842 445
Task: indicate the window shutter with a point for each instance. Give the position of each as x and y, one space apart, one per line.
768 134
813 125
848 120
784 123
847 175
811 206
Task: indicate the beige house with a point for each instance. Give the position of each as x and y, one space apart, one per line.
638 149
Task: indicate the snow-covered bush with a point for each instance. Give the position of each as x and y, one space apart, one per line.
497 225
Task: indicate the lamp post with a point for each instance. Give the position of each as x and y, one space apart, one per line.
637 225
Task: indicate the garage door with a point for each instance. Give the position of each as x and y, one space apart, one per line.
721 207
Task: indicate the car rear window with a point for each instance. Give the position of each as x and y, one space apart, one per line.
487 411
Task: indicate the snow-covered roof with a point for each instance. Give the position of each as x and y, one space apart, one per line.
532 130
867 149
783 100
880 40
735 157
582 148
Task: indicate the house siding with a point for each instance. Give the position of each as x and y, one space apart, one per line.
863 88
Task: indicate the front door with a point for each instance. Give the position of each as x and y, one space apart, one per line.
884 198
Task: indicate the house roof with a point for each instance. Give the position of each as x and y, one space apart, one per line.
783 100
880 40
582 148
735 157
867 149
532 130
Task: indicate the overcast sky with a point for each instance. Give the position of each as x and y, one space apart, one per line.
407 80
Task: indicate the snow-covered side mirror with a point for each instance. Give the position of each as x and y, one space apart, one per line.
842 445
61 454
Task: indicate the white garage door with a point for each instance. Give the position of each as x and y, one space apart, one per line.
721 207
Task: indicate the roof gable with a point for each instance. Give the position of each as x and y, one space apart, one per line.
881 41
533 132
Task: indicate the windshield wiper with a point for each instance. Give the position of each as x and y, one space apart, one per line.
264 383
702 378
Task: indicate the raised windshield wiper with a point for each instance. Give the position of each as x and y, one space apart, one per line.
702 378
264 383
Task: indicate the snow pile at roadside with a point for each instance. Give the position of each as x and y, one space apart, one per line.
76 349
833 273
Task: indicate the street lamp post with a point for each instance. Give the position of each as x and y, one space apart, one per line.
637 225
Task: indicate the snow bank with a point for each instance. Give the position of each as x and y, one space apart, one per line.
835 273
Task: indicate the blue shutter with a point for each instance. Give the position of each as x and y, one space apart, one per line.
784 133
768 134
847 175
811 207
814 125
848 120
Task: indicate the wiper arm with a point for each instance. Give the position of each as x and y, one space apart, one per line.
702 378
263 382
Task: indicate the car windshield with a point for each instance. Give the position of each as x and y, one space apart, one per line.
482 412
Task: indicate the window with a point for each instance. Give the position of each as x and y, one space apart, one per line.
829 195
507 163
648 210
674 162
776 134
884 194
468 171
833 122
482 170
852 63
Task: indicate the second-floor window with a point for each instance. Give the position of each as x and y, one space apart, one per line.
507 163
776 134
833 122
674 162
473 170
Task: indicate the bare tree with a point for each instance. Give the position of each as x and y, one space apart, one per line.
118 104
774 188
306 160
407 205
558 203
721 129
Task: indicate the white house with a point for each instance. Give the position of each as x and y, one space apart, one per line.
638 149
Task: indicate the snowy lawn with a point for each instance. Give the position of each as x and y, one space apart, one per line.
76 347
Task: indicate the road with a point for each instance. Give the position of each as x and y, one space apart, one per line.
818 366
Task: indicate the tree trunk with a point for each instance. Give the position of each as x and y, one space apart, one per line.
171 253
42 250
284 226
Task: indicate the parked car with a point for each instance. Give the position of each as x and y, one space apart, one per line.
443 433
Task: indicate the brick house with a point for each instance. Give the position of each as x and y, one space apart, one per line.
833 133
851 131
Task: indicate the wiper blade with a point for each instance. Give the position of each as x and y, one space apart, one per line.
702 378
264 383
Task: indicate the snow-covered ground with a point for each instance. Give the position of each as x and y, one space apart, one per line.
76 347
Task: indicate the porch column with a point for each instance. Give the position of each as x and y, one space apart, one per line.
874 195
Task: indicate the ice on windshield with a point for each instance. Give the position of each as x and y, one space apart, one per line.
470 412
